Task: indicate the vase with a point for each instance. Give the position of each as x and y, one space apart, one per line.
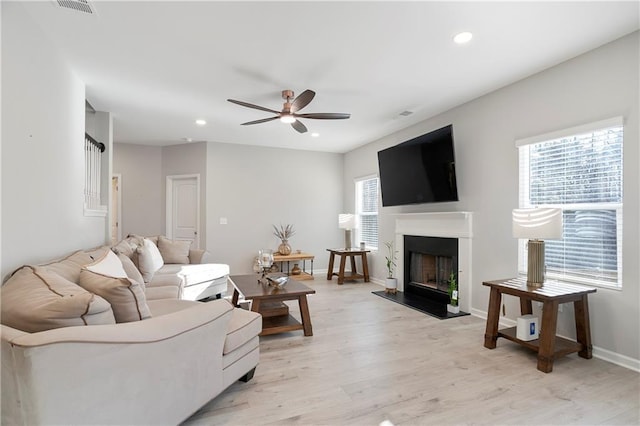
391 285
296 269
453 309
284 248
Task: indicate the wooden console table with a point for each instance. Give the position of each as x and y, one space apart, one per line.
304 275
548 345
351 254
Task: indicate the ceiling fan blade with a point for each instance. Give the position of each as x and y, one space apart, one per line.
248 105
301 128
324 115
302 100
264 120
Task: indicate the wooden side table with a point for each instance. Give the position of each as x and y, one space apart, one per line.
304 275
548 345
351 254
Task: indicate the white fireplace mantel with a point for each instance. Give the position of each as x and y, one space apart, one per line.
444 225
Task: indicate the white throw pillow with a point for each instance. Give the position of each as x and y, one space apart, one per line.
149 259
109 265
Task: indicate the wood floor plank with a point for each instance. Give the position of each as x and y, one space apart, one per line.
371 360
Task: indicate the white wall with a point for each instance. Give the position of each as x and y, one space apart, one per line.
141 188
598 85
255 188
42 149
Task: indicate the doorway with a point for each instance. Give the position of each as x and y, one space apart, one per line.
183 208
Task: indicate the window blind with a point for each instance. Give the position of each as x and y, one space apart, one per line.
582 174
367 211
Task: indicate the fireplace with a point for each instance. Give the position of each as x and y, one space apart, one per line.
446 249
428 265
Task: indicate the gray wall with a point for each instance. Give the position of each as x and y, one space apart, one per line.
598 85
42 149
252 187
140 188
255 188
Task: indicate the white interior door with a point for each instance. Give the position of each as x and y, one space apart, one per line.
183 208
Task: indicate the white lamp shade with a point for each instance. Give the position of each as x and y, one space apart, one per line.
346 221
538 223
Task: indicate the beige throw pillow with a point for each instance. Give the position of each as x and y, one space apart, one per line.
131 270
149 259
173 251
108 279
36 299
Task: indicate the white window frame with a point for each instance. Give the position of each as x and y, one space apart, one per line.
358 208
524 202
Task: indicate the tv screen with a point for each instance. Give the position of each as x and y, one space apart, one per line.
420 170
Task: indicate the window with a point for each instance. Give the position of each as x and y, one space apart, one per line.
367 211
580 171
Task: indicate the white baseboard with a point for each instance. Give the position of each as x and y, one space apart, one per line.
603 354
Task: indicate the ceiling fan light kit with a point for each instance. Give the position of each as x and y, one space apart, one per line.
289 113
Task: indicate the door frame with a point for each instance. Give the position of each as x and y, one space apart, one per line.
169 205
118 212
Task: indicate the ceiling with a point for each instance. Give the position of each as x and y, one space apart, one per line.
159 65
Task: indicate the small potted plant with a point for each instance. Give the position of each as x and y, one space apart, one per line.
453 295
391 284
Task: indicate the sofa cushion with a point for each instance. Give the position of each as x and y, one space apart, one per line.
196 274
36 299
70 266
149 259
244 326
161 279
108 279
160 293
131 270
174 251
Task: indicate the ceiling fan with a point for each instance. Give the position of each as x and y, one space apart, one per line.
289 113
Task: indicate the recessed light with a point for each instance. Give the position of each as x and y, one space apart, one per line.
463 37
201 122
315 135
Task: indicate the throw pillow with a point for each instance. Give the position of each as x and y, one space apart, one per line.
108 279
149 259
36 299
130 268
173 251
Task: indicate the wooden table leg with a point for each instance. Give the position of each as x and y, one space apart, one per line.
493 315
526 307
547 338
583 327
354 268
343 259
235 297
304 314
255 305
365 267
332 257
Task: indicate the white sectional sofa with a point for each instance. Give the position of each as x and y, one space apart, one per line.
109 355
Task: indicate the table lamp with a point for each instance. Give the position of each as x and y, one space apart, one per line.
537 224
347 221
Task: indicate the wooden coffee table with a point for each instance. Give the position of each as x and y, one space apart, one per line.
268 301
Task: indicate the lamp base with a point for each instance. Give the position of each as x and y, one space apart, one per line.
535 264
347 238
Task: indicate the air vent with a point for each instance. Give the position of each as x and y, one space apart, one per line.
79 5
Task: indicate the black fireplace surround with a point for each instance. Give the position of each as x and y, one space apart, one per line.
432 290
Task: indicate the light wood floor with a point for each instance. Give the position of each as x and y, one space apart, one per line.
371 360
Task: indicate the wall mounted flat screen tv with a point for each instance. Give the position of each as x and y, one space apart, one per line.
420 170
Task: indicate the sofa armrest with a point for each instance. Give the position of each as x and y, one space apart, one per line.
155 371
153 329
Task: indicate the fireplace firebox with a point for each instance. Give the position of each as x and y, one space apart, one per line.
428 265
